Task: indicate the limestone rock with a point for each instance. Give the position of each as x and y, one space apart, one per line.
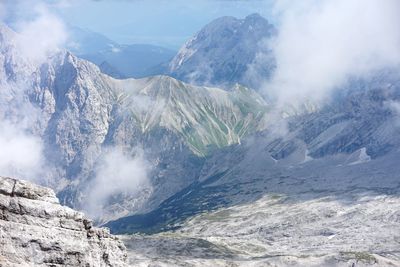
35 230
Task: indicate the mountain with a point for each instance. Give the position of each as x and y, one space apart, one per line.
84 41
357 129
108 69
116 60
321 194
81 114
225 52
37 231
220 177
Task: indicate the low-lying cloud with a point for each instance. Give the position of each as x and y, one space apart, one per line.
321 44
40 33
22 149
21 153
118 173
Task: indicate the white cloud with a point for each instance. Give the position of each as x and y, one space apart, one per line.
322 43
115 49
41 36
117 173
40 33
20 154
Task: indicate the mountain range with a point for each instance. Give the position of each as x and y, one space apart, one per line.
225 52
83 113
230 177
306 197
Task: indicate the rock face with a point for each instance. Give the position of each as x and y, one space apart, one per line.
36 230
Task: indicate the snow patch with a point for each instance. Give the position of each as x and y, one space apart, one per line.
362 158
307 158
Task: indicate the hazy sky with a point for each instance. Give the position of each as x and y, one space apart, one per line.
162 22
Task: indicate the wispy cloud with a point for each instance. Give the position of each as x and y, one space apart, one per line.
118 173
21 153
39 34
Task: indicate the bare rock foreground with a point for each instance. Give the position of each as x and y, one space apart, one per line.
35 230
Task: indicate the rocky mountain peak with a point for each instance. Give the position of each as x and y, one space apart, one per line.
220 53
255 17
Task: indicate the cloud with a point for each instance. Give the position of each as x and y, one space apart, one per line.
41 35
321 44
21 153
118 173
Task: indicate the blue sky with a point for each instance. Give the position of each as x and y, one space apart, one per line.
161 22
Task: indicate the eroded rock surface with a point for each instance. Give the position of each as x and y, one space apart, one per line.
35 230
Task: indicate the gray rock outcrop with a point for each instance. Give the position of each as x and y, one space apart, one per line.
35 230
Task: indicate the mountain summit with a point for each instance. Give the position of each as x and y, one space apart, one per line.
223 53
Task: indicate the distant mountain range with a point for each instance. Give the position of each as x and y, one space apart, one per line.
116 60
225 52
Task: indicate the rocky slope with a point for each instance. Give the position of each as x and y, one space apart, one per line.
35 230
360 126
225 52
344 229
323 191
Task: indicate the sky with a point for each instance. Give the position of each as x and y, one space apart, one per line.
167 23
